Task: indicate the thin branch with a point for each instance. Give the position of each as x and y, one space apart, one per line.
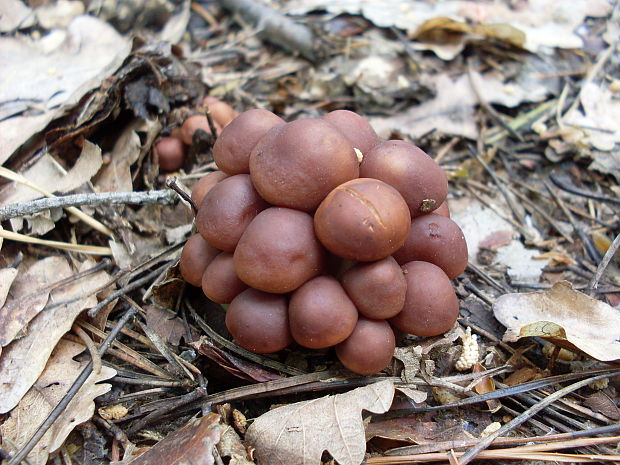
15 210
21 454
472 453
604 263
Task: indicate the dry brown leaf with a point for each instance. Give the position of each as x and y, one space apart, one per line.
603 404
297 434
191 444
29 294
541 23
53 72
7 275
486 385
47 174
564 316
116 175
23 360
59 374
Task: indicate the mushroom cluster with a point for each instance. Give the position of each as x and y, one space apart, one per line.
316 231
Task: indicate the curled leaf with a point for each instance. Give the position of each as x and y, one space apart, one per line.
564 316
297 434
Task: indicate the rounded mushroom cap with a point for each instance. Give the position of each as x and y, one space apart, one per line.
297 164
227 209
191 125
232 148
377 289
360 133
205 184
258 321
278 251
197 254
435 239
363 220
414 174
431 306
170 153
321 314
221 112
220 283
369 348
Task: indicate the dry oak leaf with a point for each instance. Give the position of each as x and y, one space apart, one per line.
192 444
59 374
24 359
297 434
564 316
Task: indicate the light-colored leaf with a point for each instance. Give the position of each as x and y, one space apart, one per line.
452 109
53 73
59 374
23 360
565 316
47 175
7 275
297 434
29 294
14 15
543 23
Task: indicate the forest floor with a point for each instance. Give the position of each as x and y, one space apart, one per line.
108 356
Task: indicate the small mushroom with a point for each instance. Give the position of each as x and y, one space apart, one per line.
431 306
232 148
227 209
408 169
170 153
369 348
321 314
279 251
258 321
435 239
197 254
363 220
296 165
377 288
220 282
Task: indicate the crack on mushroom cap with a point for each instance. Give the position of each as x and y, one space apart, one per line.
367 203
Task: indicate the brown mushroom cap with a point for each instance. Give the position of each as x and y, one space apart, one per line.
296 165
369 348
355 128
220 282
321 314
377 289
227 210
191 125
431 306
221 112
205 184
258 321
197 254
363 220
414 174
278 251
232 148
170 153
435 239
